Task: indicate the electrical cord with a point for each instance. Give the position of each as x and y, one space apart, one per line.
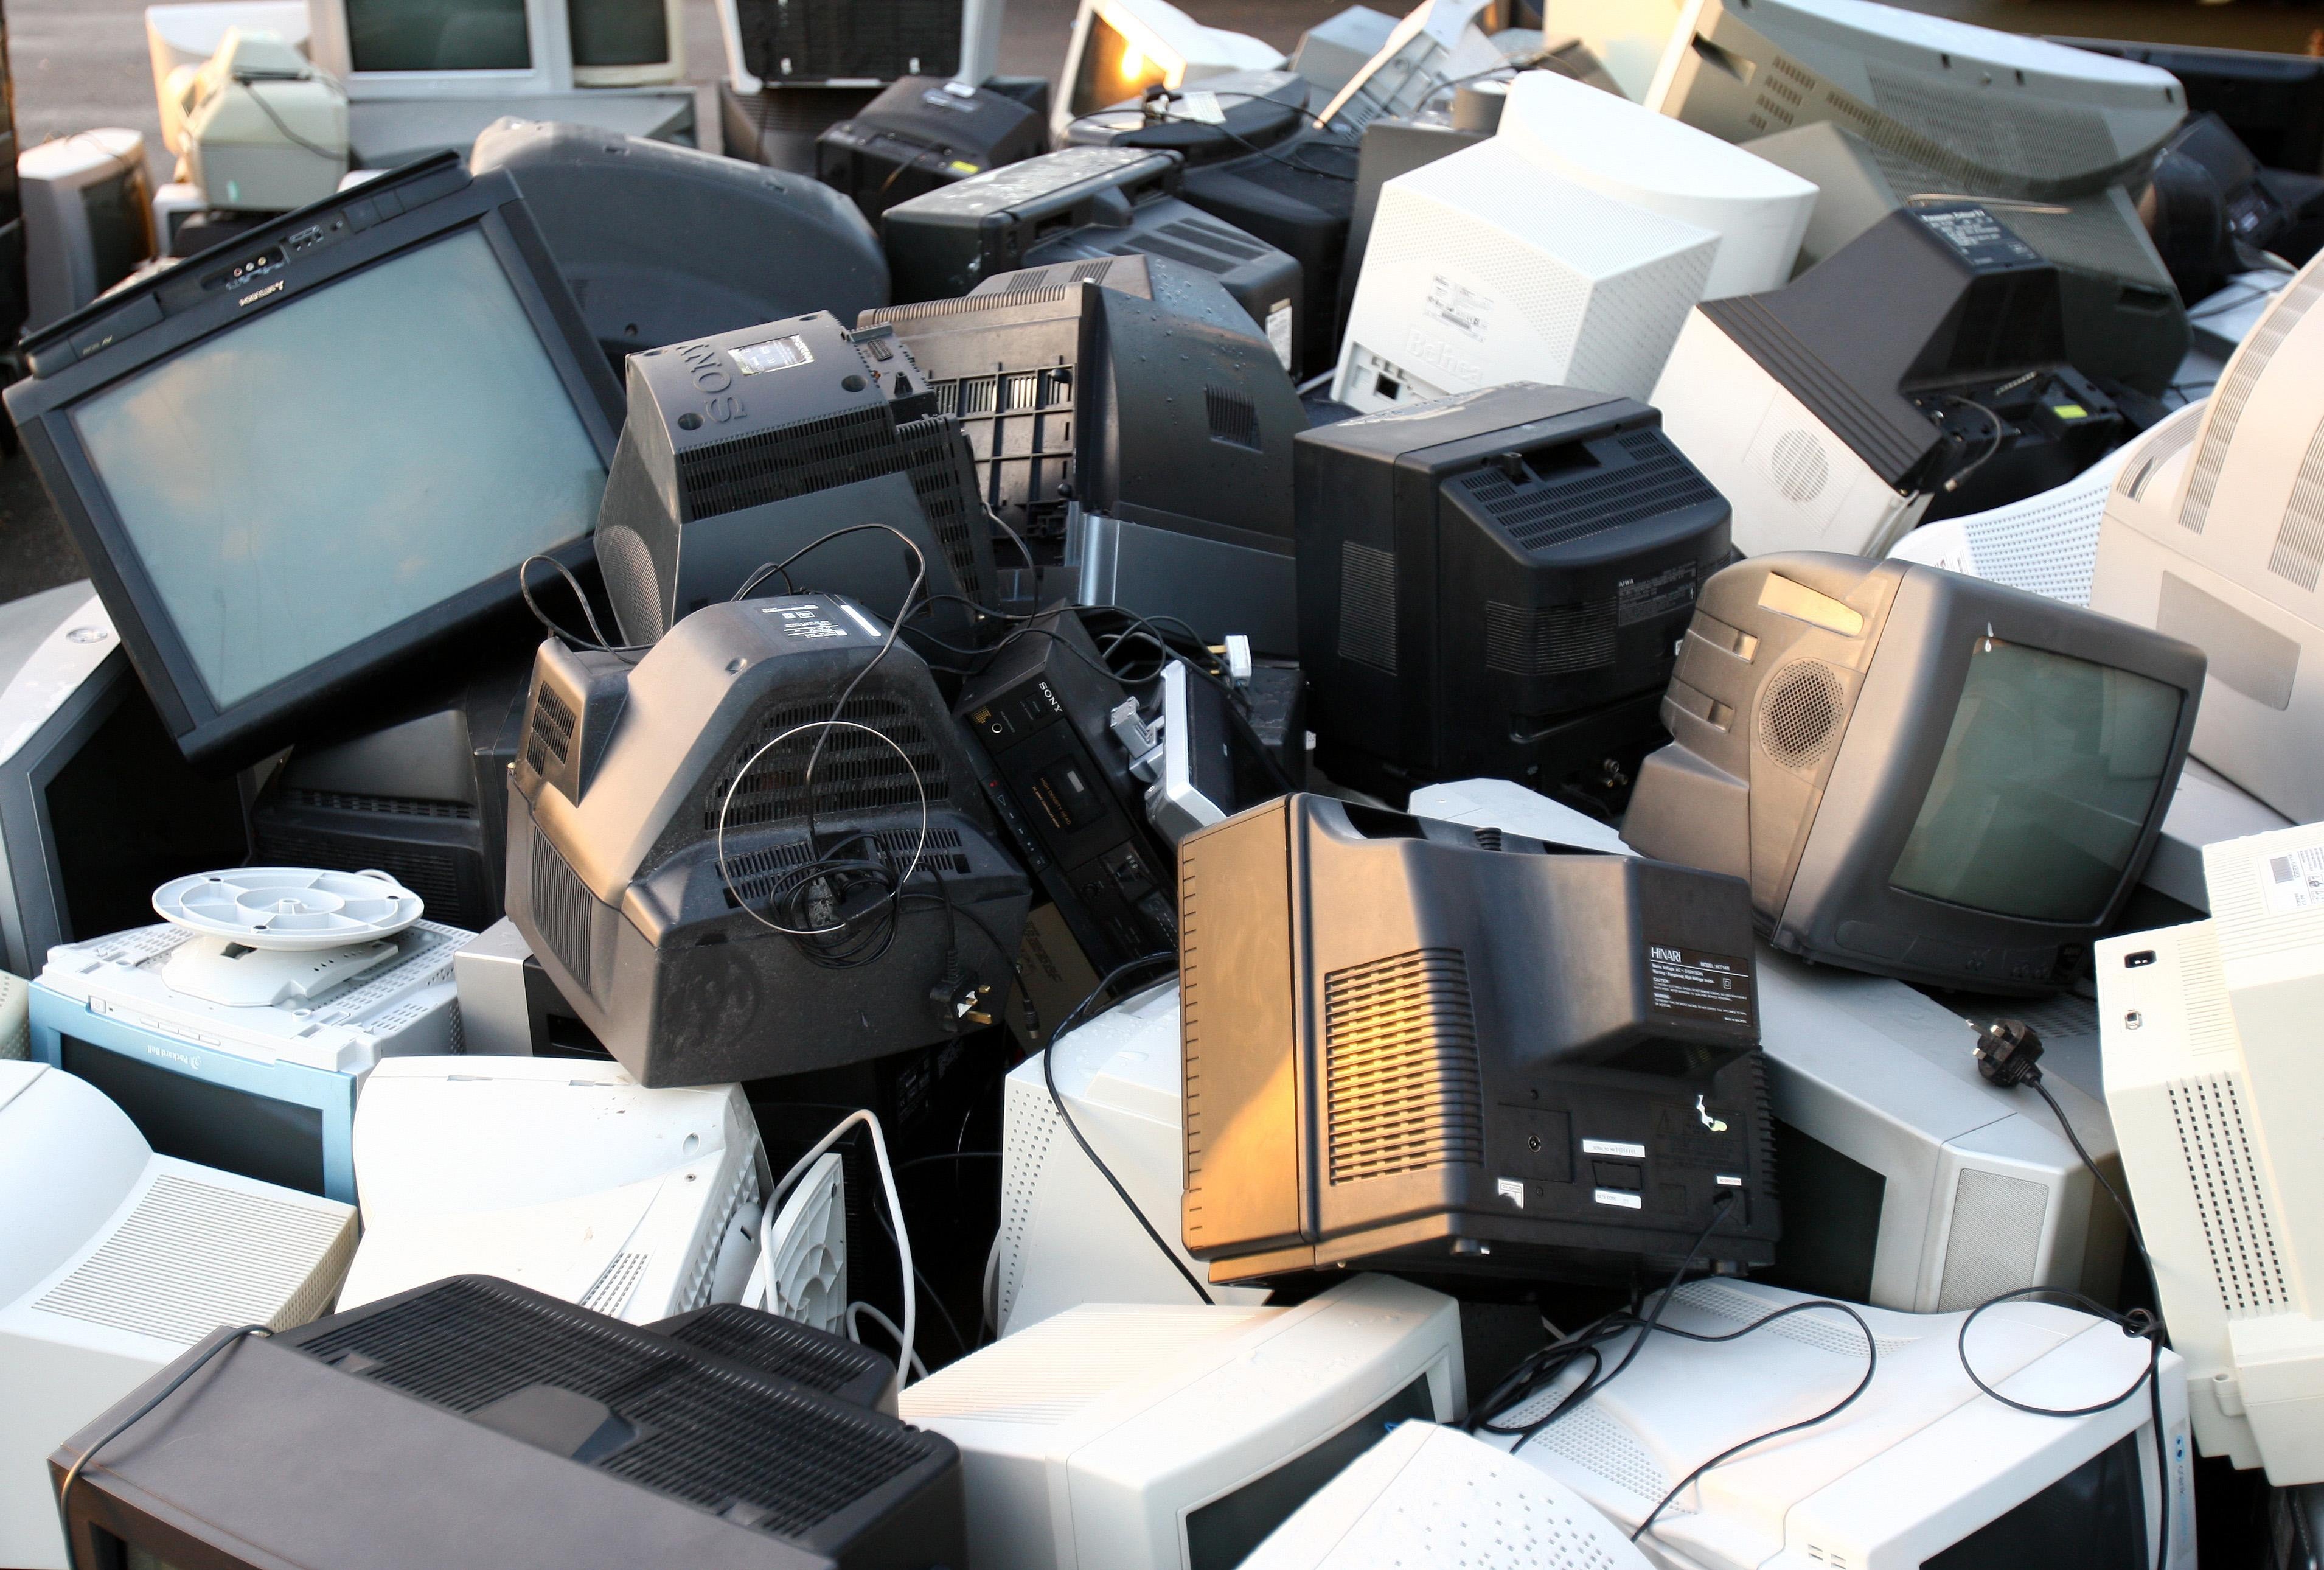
250 86
1244 142
72 1474
596 642
1073 1019
919 1369
2000 432
781 1190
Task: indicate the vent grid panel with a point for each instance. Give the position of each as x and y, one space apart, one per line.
1549 640
855 773
755 876
2299 553
1234 419
2228 402
774 466
390 805
1030 1127
777 1345
2239 1227
1400 1045
561 908
1368 634
610 1293
943 478
552 729
1564 508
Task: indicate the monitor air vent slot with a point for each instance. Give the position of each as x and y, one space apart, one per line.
1234 419
856 774
1549 640
2238 1225
775 1345
1368 605
796 460
2298 552
1404 1090
562 907
2228 403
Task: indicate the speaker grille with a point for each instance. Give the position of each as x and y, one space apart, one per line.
1549 640
1400 1045
1800 713
1368 605
1995 1244
2238 1226
1798 467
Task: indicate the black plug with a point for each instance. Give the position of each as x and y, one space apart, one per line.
2009 1052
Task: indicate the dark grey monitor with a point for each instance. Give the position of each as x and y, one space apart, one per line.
297 462
1922 774
664 244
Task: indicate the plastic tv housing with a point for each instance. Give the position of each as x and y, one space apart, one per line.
1923 1469
1573 1119
423 1418
2226 550
2206 1032
775 44
118 1260
1492 584
1920 372
560 1175
1125 1437
401 49
1120 47
418 313
1921 775
1909 1181
663 829
90 224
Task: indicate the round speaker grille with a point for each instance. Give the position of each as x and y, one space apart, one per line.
1798 466
1800 713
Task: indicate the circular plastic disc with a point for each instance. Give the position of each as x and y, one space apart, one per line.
289 908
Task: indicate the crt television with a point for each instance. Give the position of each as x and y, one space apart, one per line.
433 49
1922 775
427 384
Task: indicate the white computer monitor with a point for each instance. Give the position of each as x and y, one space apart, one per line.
1119 48
115 1262
1066 1239
1920 1470
1626 37
1429 1496
1118 1437
1485 268
2208 1032
422 49
563 1175
88 218
1612 146
185 36
2226 550
1437 43
1907 1181
1990 114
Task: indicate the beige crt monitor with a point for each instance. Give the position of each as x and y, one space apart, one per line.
2228 553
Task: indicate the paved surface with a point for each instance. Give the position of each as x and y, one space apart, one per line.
78 64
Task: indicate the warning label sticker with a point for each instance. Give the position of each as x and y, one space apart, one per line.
1459 308
1279 330
1641 599
2294 880
1706 987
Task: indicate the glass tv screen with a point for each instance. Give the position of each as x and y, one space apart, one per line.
619 33
438 35
2048 776
466 457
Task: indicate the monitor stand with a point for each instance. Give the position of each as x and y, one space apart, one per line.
384 132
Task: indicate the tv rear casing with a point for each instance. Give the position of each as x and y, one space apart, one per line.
126 332
1817 828
923 133
1371 1077
1451 617
614 877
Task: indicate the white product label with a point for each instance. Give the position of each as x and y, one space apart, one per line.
1511 1188
1459 308
1619 1197
1727 1182
1613 1148
772 355
1202 107
806 621
2294 880
1279 330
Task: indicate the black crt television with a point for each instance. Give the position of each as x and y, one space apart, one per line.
1922 774
1419 1046
473 1421
922 132
2274 103
297 461
1492 584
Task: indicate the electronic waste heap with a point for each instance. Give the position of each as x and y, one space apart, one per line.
1538 791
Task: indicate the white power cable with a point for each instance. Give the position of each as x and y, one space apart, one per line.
906 1361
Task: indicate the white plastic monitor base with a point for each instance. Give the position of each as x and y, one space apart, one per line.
386 132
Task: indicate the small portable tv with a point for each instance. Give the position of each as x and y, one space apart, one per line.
1068 1241
1909 1181
1131 437
86 201
711 910
1922 1469
1131 1436
2204 1032
1989 112
2227 550
512 49
1500 1056
746 451
564 1176
1921 775
667 244
245 1057
476 1421
1482 576
922 132
118 1260
1120 47
418 313
1921 371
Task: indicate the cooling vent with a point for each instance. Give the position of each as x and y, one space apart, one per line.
2238 1223
2228 402
1596 1442
610 1293
715 1439
1487 838
812 40
562 906
550 733
774 466
1548 639
1400 1050
943 478
1368 606
1798 467
1801 712
193 1256
776 1345
855 774
755 876
1191 963
1826 1330
431 872
1563 507
2298 552
1234 418
379 806
1031 1125
2132 482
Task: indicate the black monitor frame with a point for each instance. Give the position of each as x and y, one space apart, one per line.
261 270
